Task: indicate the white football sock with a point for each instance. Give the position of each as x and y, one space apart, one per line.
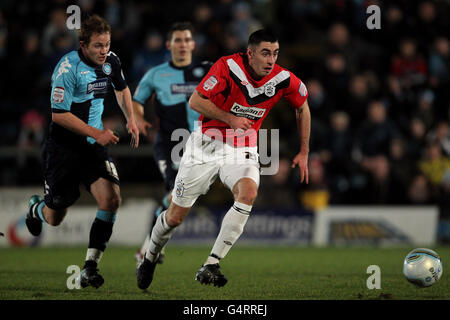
232 227
145 245
94 255
161 233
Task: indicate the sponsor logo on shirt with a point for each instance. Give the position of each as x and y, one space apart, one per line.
63 67
183 88
251 113
210 83
58 94
97 85
302 90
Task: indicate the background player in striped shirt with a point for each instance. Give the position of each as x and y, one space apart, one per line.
171 84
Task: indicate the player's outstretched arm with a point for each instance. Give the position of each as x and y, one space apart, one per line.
124 100
71 122
203 105
303 117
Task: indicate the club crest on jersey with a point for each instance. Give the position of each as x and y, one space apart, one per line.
210 83
269 89
179 188
58 94
198 72
107 68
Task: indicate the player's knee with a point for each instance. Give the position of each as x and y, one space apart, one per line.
110 203
55 218
175 217
174 220
247 196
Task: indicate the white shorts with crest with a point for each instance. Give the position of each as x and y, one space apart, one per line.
204 160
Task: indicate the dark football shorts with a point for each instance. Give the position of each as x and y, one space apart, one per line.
162 153
65 168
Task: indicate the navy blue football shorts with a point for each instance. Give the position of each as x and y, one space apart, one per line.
162 153
65 168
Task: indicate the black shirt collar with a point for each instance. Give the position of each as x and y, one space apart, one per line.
86 60
179 68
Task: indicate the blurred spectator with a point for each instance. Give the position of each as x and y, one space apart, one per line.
315 194
434 164
441 135
425 108
439 69
402 168
416 138
202 20
152 53
429 24
409 67
340 166
32 130
439 62
374 134
335 79
243 23
353 49
358 99
231 43
276 190
419 191
339 142
31 136
381 187
112 12
394 27
57 31
317 100
29 64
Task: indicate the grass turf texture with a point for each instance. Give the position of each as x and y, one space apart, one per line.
254 273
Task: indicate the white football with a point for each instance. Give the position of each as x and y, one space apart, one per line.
422 267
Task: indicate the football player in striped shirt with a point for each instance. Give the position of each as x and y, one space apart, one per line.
233 99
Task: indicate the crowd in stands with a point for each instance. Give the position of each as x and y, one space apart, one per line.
379 98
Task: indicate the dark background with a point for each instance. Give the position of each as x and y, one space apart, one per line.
379 99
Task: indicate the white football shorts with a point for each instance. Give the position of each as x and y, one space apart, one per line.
205 159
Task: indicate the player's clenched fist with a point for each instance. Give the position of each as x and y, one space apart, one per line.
107 137
241 123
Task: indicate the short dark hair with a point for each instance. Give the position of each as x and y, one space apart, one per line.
180 26
262 35
93 24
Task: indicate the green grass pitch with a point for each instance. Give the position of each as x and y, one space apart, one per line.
254 273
